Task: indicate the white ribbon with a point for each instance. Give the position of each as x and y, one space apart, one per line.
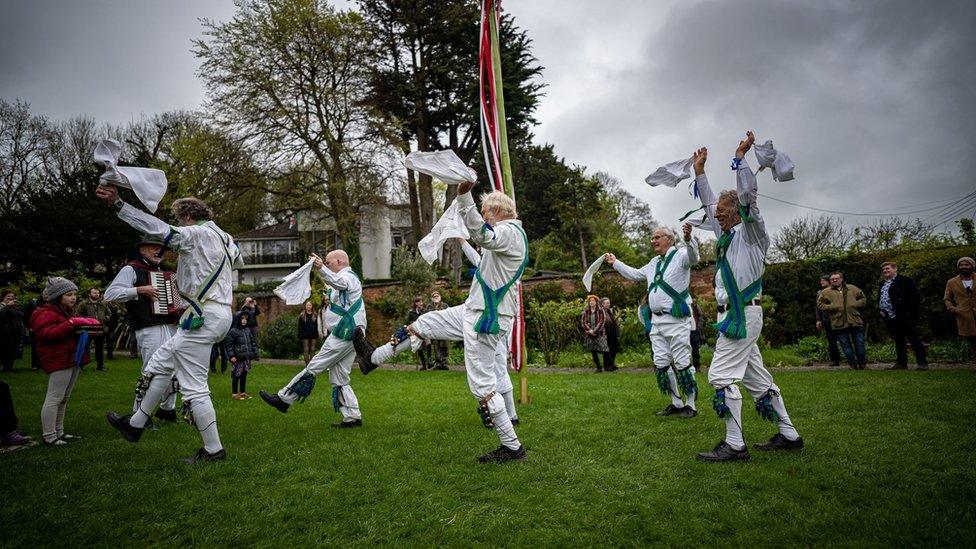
450 225
441 165
594 267
671 174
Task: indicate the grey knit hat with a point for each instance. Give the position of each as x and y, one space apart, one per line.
56 287
967 260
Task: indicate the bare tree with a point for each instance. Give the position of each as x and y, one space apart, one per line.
890 232
24 148
808 237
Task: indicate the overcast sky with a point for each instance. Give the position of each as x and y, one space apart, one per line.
873 100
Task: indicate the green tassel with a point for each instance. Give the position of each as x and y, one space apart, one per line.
687 382
303 387
663 383
718 403
764 405
335 398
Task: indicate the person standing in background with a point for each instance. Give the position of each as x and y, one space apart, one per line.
898 302
11 330
94 307
250 308
417 309
613 334
823 323
308 331
960 302
438 347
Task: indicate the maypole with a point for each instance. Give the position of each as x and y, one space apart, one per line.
495 146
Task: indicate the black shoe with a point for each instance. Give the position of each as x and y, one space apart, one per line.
100 368
121 424
779 442
669 410
166 415
275 402
502 453
687 412
440 368
348 424
515 422
897 367
599 370
364 350
724 452
203 455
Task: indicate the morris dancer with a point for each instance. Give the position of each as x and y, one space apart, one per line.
741 251
345 314
132 287
207 255
483 321
668 276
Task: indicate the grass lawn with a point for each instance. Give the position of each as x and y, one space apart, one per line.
889 461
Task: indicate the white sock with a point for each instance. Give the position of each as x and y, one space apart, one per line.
169 401
509 397
385 352
733 424
205 418
690 400
785 425
158 388
349 404
673 388
503 423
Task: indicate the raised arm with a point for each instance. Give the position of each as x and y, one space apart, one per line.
754 227
691 246
482 233
625 270
469 252
705 193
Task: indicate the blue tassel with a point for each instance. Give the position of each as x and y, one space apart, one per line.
764 405
303 387
336 393
663 383
718 403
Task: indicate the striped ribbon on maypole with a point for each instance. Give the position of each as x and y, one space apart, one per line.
494 138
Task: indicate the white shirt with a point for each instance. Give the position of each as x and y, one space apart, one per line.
348 290
201 250
747 251
503 249
123 286
677 275
472 254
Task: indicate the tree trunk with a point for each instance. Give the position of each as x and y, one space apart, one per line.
579 232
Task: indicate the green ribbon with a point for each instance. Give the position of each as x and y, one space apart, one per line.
679 306
347 323
488 322
734 323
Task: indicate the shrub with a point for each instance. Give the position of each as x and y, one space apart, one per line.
280 338
555 324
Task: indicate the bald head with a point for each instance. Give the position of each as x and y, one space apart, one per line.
336 260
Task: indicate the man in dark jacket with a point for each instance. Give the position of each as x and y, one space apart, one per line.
898 302
11 330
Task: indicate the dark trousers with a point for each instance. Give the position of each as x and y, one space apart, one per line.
7 360
424 355
607 361
852 343
696 343
8 419
99 343
239 384
439 348
218 350
904 331
832 350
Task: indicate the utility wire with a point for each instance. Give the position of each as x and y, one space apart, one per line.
942 206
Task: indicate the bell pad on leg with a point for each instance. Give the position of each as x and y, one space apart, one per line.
764 406
686 381
663 382
718 403
401 335
485 412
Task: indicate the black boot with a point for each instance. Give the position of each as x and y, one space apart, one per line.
502 454
166 415
275 402
670 410
779 442
724 452
348 424
121 424
364 350
203 455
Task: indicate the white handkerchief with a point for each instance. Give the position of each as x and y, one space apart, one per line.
593 268
450 225
443 165
149 184
768 157
670 174
297 287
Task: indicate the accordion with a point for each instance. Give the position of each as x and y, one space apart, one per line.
169 301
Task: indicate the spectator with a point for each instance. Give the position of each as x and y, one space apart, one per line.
62 352
9 435
697 334
613 333
823 323
960 302
417 309
32 305
323 325
219 350
250 308
843 303
593 321
898 302
241 349
438 347
308 331
11 331
95 307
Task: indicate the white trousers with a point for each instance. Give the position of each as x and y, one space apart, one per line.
337 357
671 343
739 360
481 359
59 386
148 340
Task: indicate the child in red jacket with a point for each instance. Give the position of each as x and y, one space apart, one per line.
61 344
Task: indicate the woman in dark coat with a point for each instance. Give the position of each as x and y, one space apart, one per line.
593 321
11 330
308 331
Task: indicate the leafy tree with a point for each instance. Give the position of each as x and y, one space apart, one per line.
967 231
808 237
